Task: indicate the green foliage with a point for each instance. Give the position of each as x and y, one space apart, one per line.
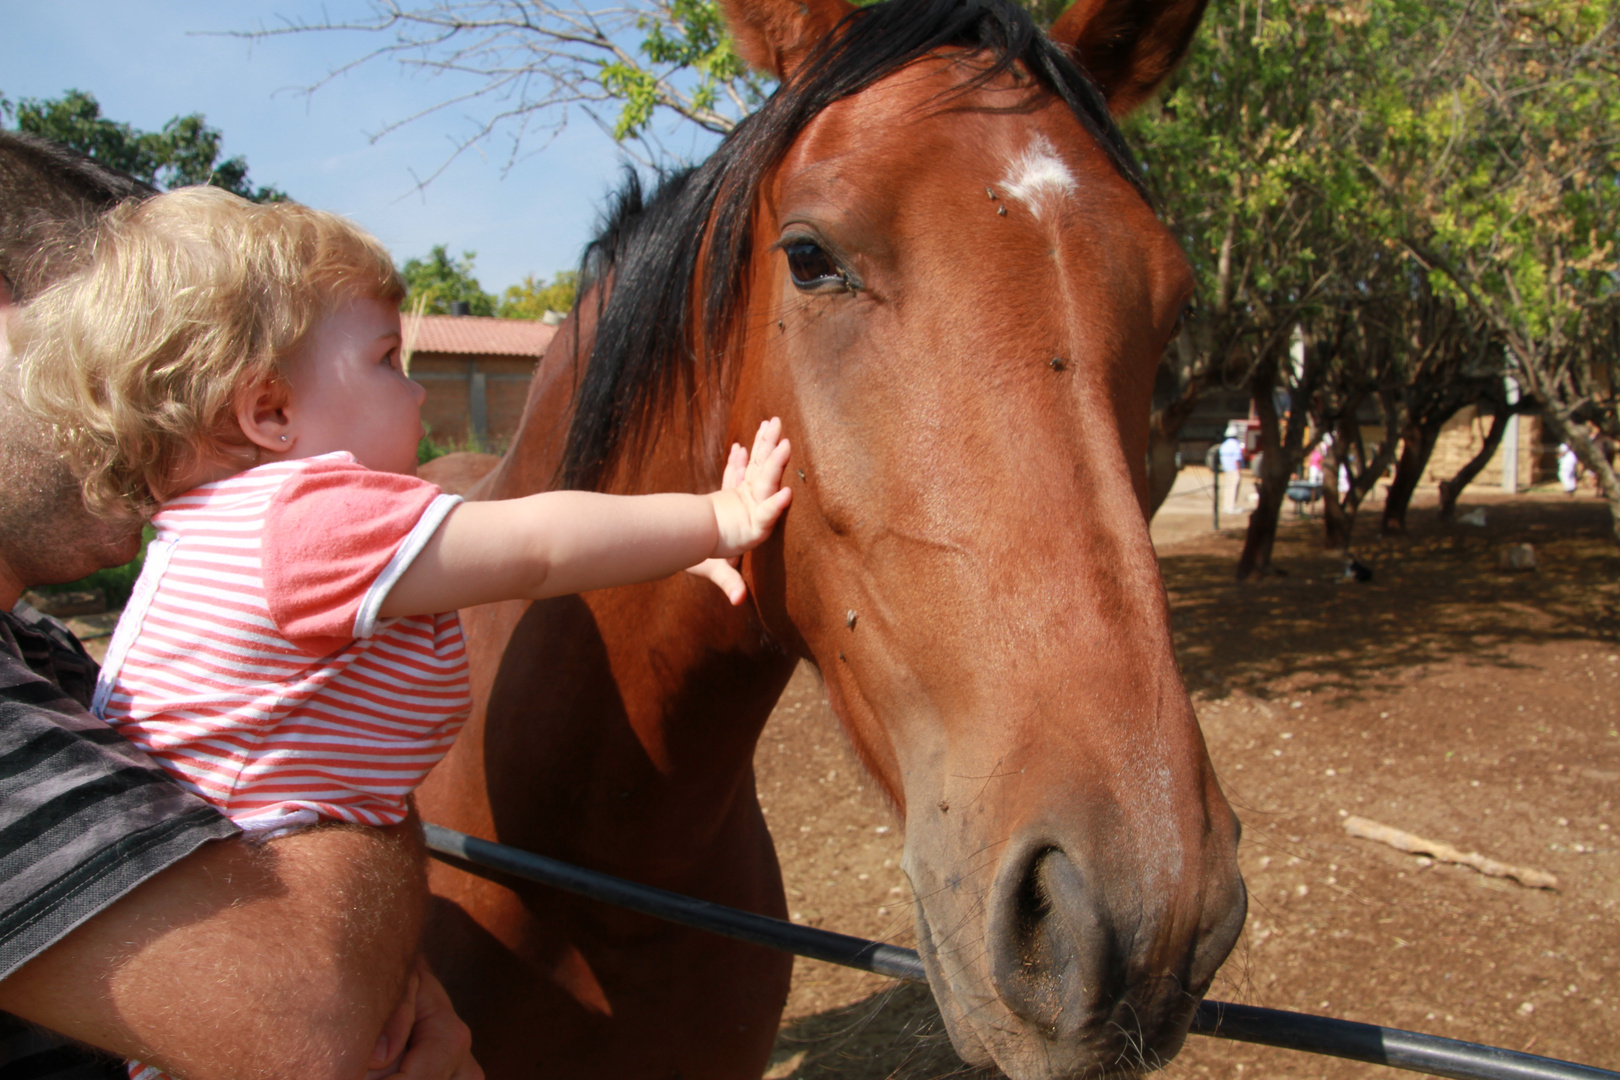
682 38
428 449
186 151
1491 154
1340 170
438 281
532 299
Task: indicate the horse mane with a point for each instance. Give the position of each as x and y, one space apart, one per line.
653 344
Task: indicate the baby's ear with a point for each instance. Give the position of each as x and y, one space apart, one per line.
261 414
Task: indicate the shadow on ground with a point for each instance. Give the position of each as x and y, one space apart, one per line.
896 1033
1451 699
1434 596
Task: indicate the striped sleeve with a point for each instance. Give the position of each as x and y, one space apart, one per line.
84 816
336 538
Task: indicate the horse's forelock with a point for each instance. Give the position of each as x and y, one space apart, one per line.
652 342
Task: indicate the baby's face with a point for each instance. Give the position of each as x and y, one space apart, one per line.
349 392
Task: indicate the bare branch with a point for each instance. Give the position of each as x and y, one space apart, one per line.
517 68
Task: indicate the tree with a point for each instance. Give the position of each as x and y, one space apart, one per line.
532 299
1242 157
1445 361
436 282
528 64
186 151
1493 147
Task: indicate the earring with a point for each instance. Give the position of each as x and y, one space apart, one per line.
284 438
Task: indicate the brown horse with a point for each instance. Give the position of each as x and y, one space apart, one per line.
928 254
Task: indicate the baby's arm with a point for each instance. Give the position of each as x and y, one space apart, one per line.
562 542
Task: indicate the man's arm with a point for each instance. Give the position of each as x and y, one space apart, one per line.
281 961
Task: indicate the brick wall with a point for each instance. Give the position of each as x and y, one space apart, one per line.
450 409
1462 438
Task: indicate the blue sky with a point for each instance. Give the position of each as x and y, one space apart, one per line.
147 62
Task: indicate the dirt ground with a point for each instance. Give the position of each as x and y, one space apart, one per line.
1444 697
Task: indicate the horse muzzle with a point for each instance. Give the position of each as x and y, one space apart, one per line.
1058 970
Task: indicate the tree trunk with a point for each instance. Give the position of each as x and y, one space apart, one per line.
1364 478
1280 454
1416 448
1335 515
1592 457
1451 489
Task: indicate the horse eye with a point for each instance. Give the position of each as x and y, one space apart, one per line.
810 265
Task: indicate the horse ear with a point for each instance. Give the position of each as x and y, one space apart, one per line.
774 36
1128 47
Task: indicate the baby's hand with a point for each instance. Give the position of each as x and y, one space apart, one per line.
751 496
750 499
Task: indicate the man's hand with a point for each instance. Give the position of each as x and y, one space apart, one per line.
439 1044
396 1036
246 961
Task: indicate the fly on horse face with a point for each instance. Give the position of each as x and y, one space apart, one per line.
930 255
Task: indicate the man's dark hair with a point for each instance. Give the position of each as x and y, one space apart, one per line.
49 195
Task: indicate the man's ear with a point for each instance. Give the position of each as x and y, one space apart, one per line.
261 413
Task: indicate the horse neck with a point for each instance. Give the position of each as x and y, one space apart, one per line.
661 688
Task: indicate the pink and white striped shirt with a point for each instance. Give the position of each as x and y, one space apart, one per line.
252 664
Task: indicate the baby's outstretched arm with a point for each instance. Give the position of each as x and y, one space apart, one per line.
562 542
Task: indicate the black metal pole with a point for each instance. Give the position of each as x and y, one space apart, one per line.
1244 1023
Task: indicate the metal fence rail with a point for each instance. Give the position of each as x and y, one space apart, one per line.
1245 1023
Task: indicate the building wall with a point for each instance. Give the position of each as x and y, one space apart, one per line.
450 383
1464 434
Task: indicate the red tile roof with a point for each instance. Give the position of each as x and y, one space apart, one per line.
478 336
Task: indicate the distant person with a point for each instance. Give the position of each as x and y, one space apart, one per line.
1313 465
1232 465
1569 468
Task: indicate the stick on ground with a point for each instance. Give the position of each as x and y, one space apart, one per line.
1417 845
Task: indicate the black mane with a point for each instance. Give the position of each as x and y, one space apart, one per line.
650 347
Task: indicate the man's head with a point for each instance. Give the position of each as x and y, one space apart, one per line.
47 536
49 196
180 305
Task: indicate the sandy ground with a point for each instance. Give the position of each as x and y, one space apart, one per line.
1445 697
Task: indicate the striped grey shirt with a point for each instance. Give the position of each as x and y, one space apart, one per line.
84 816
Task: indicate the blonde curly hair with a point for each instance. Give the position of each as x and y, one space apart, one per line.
183 302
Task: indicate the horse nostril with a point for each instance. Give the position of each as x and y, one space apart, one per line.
1052 954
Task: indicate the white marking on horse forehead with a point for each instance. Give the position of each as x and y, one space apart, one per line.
1038 178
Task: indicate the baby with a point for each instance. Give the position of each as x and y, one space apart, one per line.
291 651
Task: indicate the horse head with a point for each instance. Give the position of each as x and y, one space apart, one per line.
930 254
958 296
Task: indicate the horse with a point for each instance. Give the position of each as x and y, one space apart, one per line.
930 253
